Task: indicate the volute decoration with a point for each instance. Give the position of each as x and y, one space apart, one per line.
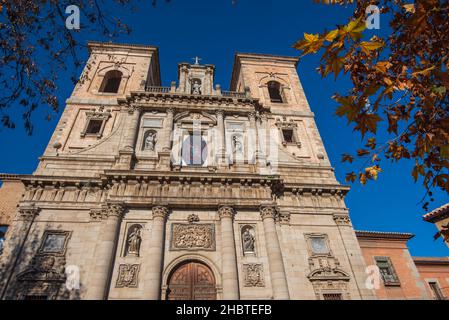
160 212
268 212
225 212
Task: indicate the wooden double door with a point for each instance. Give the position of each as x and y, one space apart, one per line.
192 280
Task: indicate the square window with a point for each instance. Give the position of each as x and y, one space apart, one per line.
94 126
319 245
288 135
387 271
436 291
194 150
54 242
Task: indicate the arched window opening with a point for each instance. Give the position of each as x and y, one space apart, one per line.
194 150
274 90
111 81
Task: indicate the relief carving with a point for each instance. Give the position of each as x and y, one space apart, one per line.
253 275
127 276
49 268
342 219
192 237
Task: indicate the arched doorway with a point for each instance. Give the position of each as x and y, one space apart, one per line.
191 280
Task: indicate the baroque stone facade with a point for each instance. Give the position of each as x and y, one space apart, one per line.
184 192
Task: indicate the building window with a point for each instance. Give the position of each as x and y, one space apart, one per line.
95 123
274 90
54 242
3 229
436 290
387 271
111 81
194 150
94 126
288 135
332 296
318 245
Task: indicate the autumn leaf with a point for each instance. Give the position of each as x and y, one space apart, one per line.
347 158
362 152
409 7
350 177
331 35
368 46
355 28
423 72
372 172
382 66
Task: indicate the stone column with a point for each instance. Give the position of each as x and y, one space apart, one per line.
221 133
229 257
277 271
153 275
264 135
354 253
105 251
168 130
253 135
14 245
131 126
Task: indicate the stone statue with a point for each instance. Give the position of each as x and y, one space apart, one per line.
248 241
134 240
196 87
236 145
150 141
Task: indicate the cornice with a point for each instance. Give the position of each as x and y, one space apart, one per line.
429 261
301 188
176 99
383 235
437 214
110 175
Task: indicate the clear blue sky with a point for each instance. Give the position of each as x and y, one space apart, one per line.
215 30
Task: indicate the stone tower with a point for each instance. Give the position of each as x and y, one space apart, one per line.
183 192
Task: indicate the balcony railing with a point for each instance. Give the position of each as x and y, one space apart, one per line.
157 89
230 94
233 94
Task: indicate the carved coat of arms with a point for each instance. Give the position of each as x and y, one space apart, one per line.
192 237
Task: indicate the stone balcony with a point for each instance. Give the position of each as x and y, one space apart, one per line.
217 92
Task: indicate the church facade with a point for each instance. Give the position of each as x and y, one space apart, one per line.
183 192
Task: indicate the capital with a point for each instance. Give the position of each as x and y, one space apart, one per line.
268 211
252 115
133 109
28 213
114 209
226 212
160 212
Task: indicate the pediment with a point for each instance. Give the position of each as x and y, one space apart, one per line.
323 274
191 117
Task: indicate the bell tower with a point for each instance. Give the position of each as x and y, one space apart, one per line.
196 78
